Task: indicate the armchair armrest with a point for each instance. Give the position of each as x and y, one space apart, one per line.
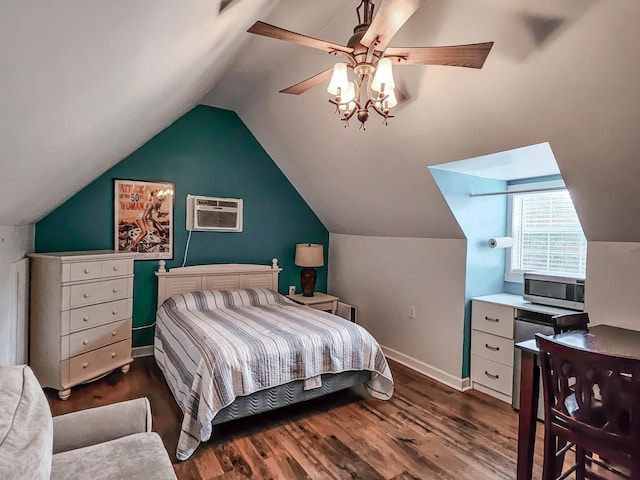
101 424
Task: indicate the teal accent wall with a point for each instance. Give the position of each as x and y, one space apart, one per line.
208 152
480 218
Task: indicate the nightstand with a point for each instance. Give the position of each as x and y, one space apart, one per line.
319 301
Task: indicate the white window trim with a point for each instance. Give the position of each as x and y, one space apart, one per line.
518 275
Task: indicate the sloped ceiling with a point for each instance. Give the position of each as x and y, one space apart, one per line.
563 72
86 83
83 84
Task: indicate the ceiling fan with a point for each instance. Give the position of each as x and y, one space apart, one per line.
369 58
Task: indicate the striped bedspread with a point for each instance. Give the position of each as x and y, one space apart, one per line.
214 346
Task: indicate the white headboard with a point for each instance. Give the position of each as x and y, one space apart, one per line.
227 276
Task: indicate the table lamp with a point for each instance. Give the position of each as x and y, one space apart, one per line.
308 256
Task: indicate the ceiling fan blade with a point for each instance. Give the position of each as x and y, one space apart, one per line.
392 14
400 96
309 83
471 56
261 28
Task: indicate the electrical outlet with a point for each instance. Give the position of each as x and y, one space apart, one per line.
292 289
412 311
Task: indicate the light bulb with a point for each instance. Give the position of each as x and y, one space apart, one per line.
383 79
339 80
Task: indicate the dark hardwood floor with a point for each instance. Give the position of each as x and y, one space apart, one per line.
426 431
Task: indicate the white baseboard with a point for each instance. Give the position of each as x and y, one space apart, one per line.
460 384
146 351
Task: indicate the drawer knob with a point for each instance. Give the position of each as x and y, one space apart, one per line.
85 342
86 295
114 312
85 364
489 347
115 290
114 333
115 268
86 270
85 319
489 319
494 377
113 354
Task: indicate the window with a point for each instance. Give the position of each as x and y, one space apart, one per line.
547 236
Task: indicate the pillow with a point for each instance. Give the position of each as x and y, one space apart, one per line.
26 428
221 299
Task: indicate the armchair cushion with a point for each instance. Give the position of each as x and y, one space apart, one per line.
135 457
25 425
100 424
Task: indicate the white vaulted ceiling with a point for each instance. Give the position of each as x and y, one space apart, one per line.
86 83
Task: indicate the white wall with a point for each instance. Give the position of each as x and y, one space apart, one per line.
612 295
15 242
382 276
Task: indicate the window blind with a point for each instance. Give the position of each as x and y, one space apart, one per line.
547 235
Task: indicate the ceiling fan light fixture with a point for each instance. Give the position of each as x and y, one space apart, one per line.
347 107
389 101
383 79
339 80
349 94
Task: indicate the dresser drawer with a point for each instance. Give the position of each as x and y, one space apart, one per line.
492 374
96 362
101 336
93 270
94 315
492 318
98 292
492 347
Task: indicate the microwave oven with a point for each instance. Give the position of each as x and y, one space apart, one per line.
556 291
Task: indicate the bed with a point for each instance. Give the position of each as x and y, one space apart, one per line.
240 348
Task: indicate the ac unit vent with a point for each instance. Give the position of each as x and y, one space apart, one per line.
214 214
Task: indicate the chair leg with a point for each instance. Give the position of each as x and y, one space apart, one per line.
549 461
635 467
580 463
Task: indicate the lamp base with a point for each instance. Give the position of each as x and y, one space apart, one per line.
308 281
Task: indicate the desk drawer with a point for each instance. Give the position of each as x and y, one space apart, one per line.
492 318
93 338
492 374
492 347
98 292
96 362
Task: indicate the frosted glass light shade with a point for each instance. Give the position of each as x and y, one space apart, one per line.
391 100
347 107
339 80
349 94
383 76
309 255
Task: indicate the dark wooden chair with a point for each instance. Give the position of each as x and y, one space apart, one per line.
569 322
593 401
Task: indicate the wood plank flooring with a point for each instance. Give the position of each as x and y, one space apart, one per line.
426 431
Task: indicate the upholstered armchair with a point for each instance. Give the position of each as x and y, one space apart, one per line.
110 442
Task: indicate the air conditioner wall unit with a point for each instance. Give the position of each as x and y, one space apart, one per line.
214 214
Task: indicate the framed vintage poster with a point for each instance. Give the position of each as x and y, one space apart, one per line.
143 218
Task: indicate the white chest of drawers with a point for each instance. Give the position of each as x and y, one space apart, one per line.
80 319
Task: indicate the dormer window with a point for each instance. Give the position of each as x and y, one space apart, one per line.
547 235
